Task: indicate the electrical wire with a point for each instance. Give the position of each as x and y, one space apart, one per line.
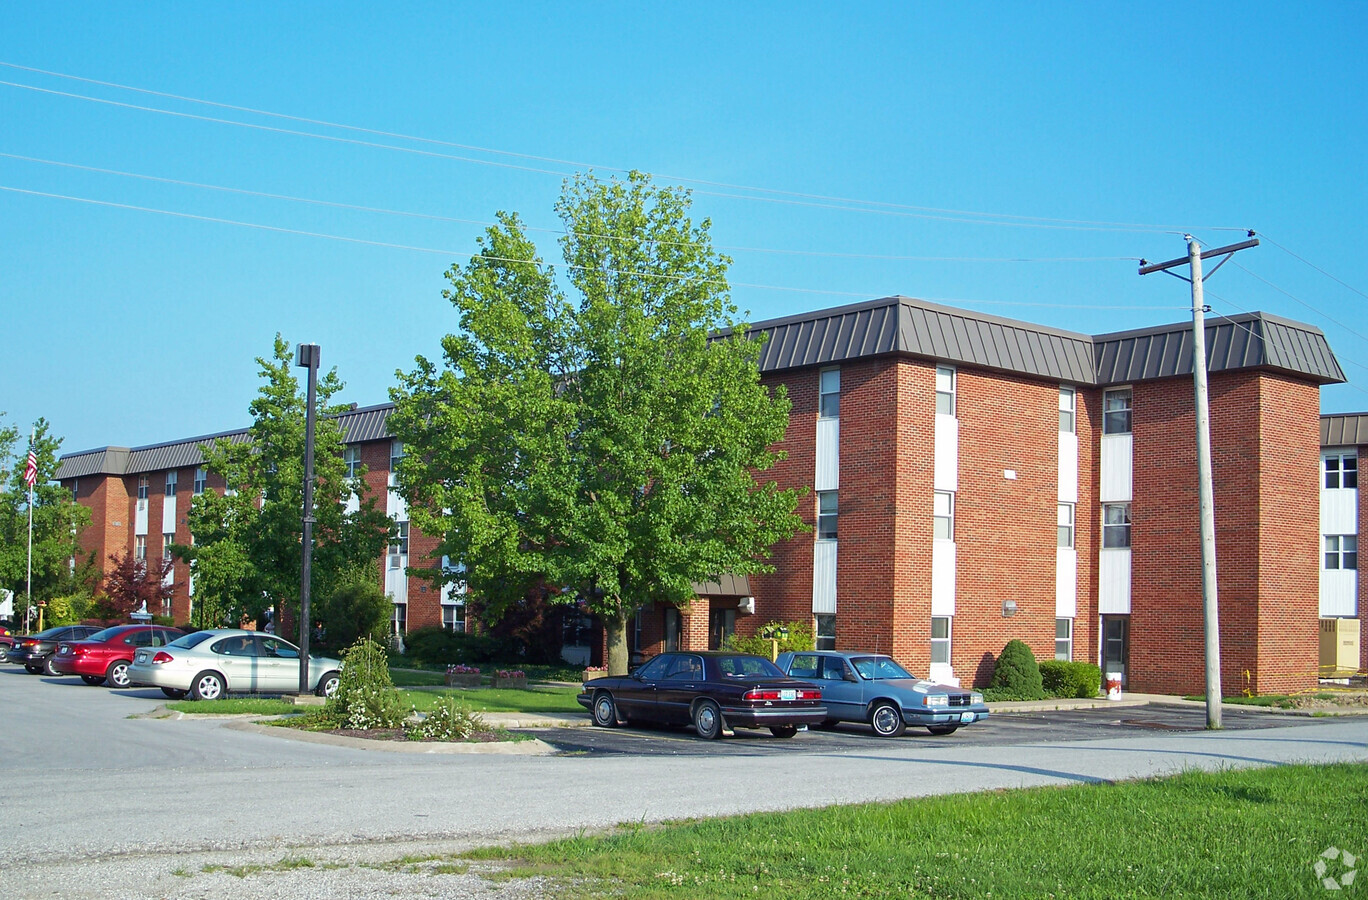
559 231
1307 262
778 195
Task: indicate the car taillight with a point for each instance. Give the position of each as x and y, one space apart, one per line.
763 694
78 650
162 657
28 644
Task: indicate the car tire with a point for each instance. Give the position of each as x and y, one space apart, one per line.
783 731
327 685
942 729
174 693
887 719
117 674
207 686
707 720
50 667
32 669
605 710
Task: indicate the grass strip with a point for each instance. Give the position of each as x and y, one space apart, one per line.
1247 833
538 700
234 706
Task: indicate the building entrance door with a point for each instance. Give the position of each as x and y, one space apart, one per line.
1115 645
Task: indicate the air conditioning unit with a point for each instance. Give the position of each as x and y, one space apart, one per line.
1339 647
746 606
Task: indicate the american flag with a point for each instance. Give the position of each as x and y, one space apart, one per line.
31 469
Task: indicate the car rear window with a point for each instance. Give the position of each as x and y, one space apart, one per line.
105 635
748 667
194 639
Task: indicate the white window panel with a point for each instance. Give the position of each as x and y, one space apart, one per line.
946 474
1115 465
169 511
1338 592
828 476
1066 583
1114 583
1068 467
942 578
824 577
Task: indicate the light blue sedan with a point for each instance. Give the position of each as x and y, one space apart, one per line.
873 688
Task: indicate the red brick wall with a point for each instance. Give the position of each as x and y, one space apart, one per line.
1087 645
910 626
1005 532
1264 446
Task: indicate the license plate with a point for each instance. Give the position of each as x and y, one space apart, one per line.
140 656
788 694
64 651
966 717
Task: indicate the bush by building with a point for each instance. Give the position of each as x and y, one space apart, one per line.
1064 678
1016 675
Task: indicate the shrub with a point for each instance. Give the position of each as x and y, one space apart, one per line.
448 720
799 638
435 646
1017 675
365 697
1062 678
356 609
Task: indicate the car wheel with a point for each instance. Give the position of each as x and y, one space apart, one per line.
174 693
784 731
887 720
605 710
32 669
707 720
206 686
327 685
942 729
117 674
50 667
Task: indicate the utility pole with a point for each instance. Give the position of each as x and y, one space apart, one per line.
1210 621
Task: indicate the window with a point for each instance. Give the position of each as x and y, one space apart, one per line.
398 549
829 402
1063 638
1068 399
721 626
826 515
940 640
140 547
396 454
201 480
351 456
1341 471
142 487
454 618
75 489
167 541
1341 551
399 623
171 480
1116 411
945 390
671 628
1066 525
826 632
943 509
1116 525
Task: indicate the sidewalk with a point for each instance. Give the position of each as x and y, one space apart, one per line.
1136 699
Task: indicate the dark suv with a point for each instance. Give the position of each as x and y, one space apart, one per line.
35 651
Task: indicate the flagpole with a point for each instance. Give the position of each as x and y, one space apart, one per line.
29 586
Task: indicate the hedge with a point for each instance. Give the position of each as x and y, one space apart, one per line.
1062 678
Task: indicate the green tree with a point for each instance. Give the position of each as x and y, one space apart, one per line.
246 550
608 447
57 520
356 609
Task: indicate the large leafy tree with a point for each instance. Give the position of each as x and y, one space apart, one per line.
247 541
606 446
57 520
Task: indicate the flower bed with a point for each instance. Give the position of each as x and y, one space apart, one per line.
463 676
510 678
593 672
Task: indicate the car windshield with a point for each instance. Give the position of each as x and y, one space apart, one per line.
748 667
194 639
875 668
106 634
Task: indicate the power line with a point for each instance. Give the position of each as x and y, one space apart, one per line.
456 253
561 231
846 203
1297 299
1314 266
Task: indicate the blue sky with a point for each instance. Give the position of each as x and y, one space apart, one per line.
1076 137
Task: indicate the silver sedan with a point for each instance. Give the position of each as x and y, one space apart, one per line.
209 664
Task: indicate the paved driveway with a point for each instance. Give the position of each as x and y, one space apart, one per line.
79 780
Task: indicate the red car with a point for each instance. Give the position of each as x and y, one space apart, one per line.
105 655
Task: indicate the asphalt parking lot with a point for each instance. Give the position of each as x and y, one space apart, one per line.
1000 729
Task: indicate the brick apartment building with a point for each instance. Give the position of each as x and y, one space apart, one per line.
972 480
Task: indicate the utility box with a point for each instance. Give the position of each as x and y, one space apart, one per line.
1339 647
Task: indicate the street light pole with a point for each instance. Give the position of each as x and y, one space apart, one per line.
307 357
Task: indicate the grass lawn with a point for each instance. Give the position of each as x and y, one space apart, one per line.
416 678
1277 701
258 706
1251 833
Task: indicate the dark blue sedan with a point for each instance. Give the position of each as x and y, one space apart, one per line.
873 688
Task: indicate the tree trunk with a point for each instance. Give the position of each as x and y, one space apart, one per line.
615 629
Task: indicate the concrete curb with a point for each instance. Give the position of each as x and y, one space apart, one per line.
512 748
